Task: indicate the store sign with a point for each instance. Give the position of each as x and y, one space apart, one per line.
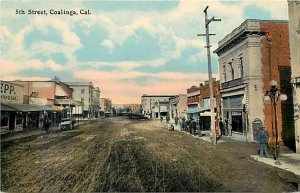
37 101
11 93
236 113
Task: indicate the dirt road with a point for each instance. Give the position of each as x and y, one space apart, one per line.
116 154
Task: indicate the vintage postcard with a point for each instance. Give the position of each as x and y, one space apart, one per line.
150 95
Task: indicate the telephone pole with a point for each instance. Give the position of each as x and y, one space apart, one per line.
212 114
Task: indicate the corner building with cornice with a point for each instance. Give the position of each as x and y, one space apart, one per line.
252 55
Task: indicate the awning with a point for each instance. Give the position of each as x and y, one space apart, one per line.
26 107
193 110
6 108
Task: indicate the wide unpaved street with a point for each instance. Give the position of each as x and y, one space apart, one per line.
116 154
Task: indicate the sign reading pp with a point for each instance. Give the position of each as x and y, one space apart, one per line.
11 93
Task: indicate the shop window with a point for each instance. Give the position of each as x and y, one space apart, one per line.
19 119
206 102
241 66
4 120
231 70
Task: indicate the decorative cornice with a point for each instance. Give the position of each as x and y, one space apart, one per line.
293 1
248 27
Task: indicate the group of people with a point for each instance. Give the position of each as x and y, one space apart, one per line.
187 125
190 126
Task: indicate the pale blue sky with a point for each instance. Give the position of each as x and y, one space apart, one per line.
127 48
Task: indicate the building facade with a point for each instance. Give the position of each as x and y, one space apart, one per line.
39 100
155 106
250 57
204 103
83 92
53 93
178 106
95 102
193 103
45 92
11 94
105 106
198 104
294 35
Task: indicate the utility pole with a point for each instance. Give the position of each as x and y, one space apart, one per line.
212 114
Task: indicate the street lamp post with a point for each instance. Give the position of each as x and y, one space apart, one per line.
273 95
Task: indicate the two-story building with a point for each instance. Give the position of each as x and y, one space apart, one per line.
193 102
105 106
252 55
155 106
95 102
204 103
51 96
178 106
83 92
198 104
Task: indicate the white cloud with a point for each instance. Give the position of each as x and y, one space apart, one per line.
108 43
9 67
175 31
54 66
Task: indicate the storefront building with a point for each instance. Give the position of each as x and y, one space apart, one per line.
250 57
83 92
193 103
11 94
178 106
155 106
204 99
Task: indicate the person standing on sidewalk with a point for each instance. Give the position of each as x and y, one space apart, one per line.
183 124
46 124
167 118
221 126
263 140
226 127
176 120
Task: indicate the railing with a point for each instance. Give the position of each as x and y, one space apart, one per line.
232 83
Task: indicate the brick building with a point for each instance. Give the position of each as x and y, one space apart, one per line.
193 102
204 101
250 57
198 103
